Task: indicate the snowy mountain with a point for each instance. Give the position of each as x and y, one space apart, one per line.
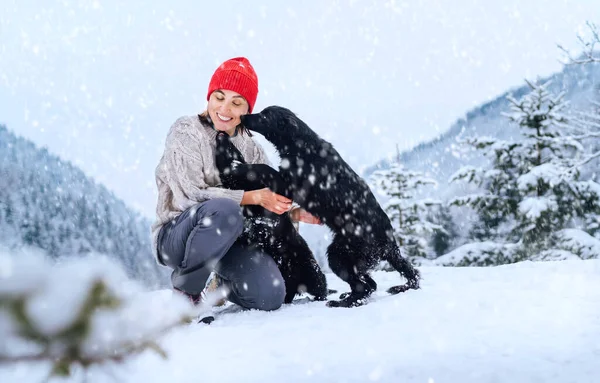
50 204
441 157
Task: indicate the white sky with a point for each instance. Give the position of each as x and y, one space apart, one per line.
100 82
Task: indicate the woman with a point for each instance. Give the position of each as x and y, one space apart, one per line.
197 220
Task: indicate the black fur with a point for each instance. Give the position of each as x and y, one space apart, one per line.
313 174
274 234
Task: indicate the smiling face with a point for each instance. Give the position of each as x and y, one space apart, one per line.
225 108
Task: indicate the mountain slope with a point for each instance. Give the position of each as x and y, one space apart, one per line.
441 157
50 204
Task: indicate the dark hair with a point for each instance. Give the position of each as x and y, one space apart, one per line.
207 121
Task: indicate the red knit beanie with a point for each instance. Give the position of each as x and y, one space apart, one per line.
237 75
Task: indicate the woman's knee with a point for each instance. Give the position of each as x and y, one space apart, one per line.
260 286
202 234
222 212
267 296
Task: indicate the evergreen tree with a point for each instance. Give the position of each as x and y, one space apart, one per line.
497 201
532 188
442 237
547 182
407 213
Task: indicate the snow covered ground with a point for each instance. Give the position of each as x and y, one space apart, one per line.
527 322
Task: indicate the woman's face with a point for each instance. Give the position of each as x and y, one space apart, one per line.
225 108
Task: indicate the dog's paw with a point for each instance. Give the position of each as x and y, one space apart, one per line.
351 300
207 320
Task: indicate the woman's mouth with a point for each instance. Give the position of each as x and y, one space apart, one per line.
223 118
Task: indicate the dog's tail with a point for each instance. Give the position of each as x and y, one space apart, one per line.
403 266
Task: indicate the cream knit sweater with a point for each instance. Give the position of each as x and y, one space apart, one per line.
187 174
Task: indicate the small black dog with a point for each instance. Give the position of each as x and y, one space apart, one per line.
273 233
314 175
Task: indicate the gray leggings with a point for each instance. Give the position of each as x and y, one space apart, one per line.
202 239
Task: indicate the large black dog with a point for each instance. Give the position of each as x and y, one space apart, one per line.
274 234
314 175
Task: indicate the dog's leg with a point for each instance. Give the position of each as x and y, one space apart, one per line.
317 284
403 266
306 271
367 278
346 262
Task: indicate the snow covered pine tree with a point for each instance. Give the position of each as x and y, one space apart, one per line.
408 214
532 190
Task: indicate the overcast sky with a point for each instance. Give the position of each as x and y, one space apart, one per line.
100 82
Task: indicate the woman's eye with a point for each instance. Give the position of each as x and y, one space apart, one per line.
237 104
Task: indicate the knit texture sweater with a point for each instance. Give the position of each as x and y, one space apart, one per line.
187 174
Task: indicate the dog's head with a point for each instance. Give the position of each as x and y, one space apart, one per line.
279 125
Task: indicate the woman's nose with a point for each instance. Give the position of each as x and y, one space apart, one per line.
224 109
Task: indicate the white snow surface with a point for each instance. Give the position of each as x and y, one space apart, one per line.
526 322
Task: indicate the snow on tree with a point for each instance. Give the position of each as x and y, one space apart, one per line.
547 183
588 45
497 200
407 213
532 189
484 253
50 204
587 123
573 244
103 318
442 238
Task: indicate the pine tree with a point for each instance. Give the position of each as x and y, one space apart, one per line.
532 189
407 213
548 202
442 238
497 201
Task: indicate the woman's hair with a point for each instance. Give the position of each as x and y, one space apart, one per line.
205 120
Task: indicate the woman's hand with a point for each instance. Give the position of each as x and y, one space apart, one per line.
300 215
271 201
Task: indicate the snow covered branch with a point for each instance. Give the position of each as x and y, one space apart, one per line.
80 313
588 45
587 159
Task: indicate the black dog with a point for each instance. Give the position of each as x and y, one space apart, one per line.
273 233
314 175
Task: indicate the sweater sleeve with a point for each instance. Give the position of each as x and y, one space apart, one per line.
185 168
